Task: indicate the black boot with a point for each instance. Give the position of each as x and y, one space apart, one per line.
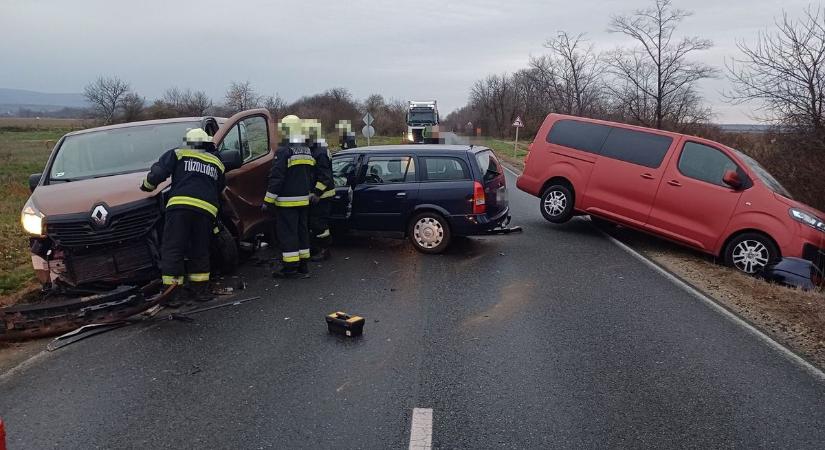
201 292
287 272
319 255
303 268
175 298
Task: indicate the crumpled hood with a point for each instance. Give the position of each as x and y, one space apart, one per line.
799 205
81 196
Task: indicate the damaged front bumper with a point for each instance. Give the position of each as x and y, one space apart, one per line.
61 314
78 251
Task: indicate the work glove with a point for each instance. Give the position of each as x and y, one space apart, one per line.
144 188
314 199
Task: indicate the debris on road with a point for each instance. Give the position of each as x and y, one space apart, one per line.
345 324
793 272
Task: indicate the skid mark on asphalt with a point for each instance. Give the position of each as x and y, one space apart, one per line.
515 297
421 430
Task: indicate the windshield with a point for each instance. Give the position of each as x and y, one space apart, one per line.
111 152
764 175
422 115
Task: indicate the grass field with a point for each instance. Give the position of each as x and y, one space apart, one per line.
21 154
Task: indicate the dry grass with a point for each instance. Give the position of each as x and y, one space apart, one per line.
21 154
31 123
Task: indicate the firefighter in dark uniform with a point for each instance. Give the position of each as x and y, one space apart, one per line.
345 134
290 184
323 190
191 211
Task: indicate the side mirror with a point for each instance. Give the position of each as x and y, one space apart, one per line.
34 180
731 178
231 159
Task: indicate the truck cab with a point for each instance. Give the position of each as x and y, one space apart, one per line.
422 119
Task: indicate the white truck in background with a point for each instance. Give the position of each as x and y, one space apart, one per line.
422 119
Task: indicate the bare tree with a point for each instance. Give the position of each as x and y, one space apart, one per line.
276 105
105 95
241 96
656 80
132 106
570 75
186 102
785 73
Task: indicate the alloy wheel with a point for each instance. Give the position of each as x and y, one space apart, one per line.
751 256
555 203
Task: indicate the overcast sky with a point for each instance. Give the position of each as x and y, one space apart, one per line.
414 49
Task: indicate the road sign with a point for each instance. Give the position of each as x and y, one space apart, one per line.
368 119
368 131
518 124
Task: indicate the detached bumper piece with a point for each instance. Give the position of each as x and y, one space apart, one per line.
793 272
505 228
58 316
345 324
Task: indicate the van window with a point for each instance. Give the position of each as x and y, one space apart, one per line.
636 147
705 163
444 169
583 136
343 171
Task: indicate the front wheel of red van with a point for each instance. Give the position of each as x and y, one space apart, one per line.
750 252
557 203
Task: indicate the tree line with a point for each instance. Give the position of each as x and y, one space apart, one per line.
654 82
113 100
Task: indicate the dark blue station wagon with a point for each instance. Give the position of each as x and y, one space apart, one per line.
428 193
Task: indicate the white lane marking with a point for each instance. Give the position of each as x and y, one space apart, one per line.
713 304
421 430
23 365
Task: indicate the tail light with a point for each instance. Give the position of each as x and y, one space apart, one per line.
479 201
527 156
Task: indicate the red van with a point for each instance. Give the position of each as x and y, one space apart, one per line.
693 191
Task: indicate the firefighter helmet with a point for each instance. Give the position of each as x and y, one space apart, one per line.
196 137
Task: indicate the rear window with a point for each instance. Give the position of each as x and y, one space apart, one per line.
437 168
636 147
487 162
583 136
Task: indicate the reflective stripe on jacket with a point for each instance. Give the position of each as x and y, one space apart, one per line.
292 176
197 179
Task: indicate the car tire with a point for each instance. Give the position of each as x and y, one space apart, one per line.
750 252
557 203
225 255
429 232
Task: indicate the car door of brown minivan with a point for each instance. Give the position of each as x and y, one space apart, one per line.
626 176
250 132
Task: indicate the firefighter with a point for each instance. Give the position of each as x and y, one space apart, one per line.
345 134
290 185
191 211
323 190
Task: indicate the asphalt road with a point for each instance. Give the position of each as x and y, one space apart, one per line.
551 338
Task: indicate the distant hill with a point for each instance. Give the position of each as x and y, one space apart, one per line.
13 100
744 127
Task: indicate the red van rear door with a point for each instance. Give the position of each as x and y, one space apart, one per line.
693 204
626 176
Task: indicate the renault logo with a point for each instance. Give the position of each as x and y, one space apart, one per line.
99 215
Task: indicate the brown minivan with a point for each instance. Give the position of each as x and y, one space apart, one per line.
92 227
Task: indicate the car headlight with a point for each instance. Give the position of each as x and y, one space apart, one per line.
808 219
32 219
409 136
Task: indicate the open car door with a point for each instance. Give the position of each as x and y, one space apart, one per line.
344 173
252 133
